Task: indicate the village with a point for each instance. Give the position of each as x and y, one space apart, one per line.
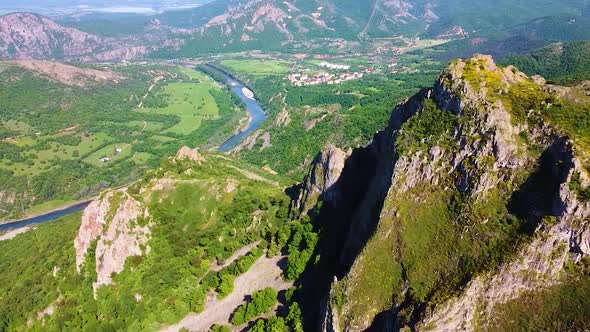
304 78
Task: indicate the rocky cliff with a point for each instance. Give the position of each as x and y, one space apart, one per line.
26 36
111 223
466 202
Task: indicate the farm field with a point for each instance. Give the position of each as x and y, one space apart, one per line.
257 67
191 103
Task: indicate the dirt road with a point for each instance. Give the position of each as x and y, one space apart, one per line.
264 273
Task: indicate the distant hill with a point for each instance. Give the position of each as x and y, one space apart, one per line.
563 63
295 25
519 38
33 36
248 24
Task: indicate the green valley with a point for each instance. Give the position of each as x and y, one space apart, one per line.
65 138
295 165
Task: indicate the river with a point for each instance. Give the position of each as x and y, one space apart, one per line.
256 113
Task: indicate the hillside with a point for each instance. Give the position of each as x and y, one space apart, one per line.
297 26
563 63
32 36
472 199
235 25
189 235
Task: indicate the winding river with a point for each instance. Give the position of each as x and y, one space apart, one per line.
257 116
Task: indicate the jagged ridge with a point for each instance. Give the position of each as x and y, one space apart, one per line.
466 181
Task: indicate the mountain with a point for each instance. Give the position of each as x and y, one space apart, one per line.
469 211
250 24
294 25
465 213
32 36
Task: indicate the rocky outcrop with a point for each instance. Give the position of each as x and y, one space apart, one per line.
69 75
112 222
480 156
93 222
324 174
190 154
25 36
29 36
537 266
283 119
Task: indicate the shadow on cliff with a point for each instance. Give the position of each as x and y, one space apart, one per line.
539 195
537 198
349 215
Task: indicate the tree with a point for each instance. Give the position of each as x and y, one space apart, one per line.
226 286
294 318
262 301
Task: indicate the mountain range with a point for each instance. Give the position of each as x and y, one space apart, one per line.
234 25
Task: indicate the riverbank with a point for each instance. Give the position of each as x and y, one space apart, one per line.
46 216
247 96
11 234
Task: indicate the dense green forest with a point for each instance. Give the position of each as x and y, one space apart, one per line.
563 63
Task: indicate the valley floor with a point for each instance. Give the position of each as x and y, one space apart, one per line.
266 272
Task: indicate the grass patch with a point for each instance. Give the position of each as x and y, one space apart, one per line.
191 103
257 67
565 307
142 158
110 152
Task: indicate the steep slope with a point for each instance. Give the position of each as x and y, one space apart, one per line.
143 257
32 36
27 36
469 193
248 24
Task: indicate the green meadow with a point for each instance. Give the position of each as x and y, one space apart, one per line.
257 67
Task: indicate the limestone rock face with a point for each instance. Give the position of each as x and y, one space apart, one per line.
28 36
483 150
324 174
190 154
538 265
25 36
112 222
93 222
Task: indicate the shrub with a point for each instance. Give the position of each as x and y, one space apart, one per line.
262 301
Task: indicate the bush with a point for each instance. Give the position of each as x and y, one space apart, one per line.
226 286
262 301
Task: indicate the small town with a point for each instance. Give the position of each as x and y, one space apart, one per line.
306 79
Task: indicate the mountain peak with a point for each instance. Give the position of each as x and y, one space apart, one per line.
32 36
